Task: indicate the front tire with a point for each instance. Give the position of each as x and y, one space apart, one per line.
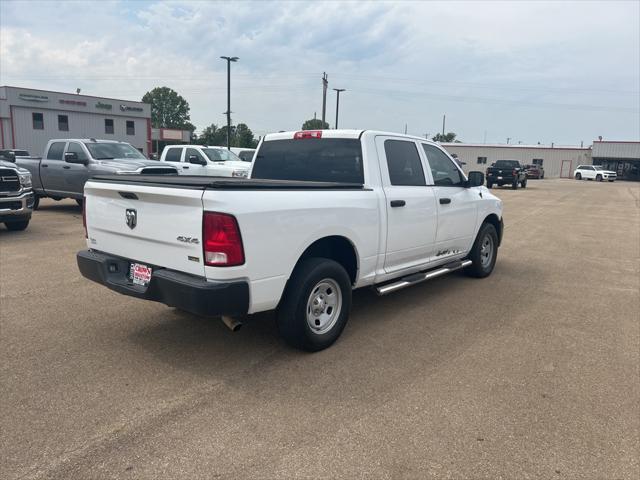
598 178
79 201
524 184
489 185
578 176
315 306
484 252
36 202
17 226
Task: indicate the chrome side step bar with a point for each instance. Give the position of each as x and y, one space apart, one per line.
421 277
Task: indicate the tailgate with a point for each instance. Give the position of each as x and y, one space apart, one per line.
155 225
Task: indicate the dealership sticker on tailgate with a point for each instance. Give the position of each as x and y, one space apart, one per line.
140 274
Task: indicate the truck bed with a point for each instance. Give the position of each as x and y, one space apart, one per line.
223 183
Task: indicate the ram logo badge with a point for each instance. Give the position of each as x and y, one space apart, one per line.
184 239
131 218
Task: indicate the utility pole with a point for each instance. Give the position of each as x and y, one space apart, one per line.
338 90
325 84
405 128
444 117
508 138
228 112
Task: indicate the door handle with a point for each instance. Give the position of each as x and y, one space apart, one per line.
445 201
44 165
398 203
185 168
66 167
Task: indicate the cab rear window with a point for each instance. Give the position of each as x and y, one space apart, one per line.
310 159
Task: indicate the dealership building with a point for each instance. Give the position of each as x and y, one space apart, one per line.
621 157
30 118
557 161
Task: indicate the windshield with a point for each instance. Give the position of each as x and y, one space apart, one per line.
507 164
106 151
220 155
598 167
318 160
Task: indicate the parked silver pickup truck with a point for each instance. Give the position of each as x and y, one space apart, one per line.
16 196
68 163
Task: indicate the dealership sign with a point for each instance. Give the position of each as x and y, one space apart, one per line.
104 106
77 103
167 134
30 97
127 108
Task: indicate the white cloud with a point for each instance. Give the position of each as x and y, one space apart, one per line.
535 71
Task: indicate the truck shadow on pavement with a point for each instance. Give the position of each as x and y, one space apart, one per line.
428 323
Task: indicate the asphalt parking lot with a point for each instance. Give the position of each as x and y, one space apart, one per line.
531 373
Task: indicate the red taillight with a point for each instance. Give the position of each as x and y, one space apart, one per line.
514 173
308 134
84 216
222 243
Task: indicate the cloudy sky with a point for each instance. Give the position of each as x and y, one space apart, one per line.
533 71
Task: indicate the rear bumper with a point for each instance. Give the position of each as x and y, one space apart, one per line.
501 179
181 290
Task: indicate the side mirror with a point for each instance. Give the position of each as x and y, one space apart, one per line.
72 157
10 157
194 159
476 179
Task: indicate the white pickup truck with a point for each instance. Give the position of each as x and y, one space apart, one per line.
204 160
324 212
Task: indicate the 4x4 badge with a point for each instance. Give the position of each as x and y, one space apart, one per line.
131 217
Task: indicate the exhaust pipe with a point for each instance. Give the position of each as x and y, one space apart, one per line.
233 324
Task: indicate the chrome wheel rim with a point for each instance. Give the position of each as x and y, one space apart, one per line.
486 251
324 306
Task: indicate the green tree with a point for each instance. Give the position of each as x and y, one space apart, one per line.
446 138
168 109
315 124
211 136
244 137
241 136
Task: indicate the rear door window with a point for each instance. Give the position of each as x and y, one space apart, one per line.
55 151
173 155
310 159
403 162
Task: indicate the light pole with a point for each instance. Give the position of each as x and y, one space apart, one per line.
338 90
228 112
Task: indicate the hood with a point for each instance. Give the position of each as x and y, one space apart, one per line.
131 165
233 164
5 164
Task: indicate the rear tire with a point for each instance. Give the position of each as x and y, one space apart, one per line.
514 185
315 306
484 252
578 176
79 201
489 185
17 226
